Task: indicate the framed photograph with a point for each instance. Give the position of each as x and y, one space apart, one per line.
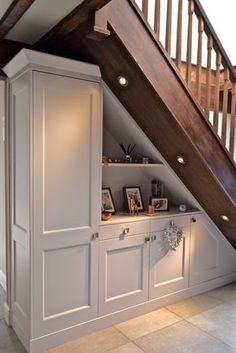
107 201
132 195
160 204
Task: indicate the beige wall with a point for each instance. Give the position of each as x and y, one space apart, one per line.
2 191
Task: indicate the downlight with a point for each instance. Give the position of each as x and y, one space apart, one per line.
225 218
181 160
123 81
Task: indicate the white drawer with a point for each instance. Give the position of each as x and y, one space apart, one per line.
163 223
117 230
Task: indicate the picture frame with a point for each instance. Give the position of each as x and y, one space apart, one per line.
160 204
136 192
108 205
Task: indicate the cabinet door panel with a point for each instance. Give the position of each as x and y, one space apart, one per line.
211 254
168 269
66 197
123 272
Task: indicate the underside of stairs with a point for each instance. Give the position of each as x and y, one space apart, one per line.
117 39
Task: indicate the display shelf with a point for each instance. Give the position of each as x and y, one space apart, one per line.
125 217
129 165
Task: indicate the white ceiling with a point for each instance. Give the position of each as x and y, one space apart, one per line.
222 17
4 4
39 18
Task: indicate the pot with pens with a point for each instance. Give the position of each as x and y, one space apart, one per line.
127 151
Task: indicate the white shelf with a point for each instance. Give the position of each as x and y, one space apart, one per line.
125 217
130 165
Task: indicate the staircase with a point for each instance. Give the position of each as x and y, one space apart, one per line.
186 108
205 67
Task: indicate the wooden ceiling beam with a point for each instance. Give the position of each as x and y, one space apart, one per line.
72 21
14 12
8 49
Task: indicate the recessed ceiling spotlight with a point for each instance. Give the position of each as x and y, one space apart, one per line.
224 218
180 159
122 81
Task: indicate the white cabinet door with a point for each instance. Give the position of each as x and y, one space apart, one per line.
123 273
66 197
168 269
211 254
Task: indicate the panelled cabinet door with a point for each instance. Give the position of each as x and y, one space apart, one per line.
66 196
168 269
123 273
211 254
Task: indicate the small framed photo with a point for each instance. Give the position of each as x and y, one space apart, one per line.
107 201
132 195
160 204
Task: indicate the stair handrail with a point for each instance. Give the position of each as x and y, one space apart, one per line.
214 87
209 29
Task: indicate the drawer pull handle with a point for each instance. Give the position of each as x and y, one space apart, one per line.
193 220
153 237
125 230
147 239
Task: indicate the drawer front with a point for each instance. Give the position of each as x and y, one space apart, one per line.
124 229
163 223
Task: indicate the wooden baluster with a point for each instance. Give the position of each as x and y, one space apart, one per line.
217 92
233 122
225 106
199 58
157 18
208 76
168 26
145 8
179 35
189 42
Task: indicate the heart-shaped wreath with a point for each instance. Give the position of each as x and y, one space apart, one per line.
172 236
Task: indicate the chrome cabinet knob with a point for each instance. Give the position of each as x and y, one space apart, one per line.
125 231
95 236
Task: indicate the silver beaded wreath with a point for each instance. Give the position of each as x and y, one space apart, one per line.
172 236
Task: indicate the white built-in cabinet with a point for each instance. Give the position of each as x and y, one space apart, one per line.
72 273
56 121
136 265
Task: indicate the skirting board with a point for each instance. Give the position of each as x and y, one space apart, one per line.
7 314
3 280
38 345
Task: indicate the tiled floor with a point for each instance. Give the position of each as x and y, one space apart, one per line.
203 324
9 342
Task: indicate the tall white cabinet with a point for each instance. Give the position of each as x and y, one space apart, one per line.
56 161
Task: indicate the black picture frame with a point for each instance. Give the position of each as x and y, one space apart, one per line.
108 205
134 190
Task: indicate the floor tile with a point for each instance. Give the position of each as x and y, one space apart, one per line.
127 348
225 293
220 322
9 342
181 337
193 306
97 342
148 323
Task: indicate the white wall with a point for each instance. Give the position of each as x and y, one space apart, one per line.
2 192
